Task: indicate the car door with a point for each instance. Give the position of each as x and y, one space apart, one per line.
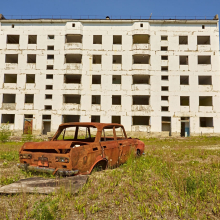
110 146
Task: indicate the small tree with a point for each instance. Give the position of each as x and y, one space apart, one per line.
5 132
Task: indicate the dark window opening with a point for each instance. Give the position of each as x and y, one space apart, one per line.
183 40
8 118
30 78
164 57
97 39
95 118
206 122
203 26
141 25
184 100
49 67
46 117
12 26
10 78
164 77
13 39
96 99
73 24
116 59
164 68
31 58
116 119
164 98
205 100
116 100
50 37
96 59
9 98
141 120
49 87
70 118
183 60
205 80
73 99
96 79
48 96
164 37
49 76
140 100
166 124
72 78
116 79
184 80
29 98
32 39
164 108
141 79
11 58
164 88
50 56
204 59
73 38
164 48
117 39
141 39
48 107
73 58
203 40
50 47
141 59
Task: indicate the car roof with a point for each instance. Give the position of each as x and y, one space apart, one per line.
90 124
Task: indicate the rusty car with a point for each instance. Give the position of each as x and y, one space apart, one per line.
79 147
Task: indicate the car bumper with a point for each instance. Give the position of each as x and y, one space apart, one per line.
62 172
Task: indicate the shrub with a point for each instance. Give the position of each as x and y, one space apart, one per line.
5 133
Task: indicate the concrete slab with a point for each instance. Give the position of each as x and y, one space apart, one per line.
45 185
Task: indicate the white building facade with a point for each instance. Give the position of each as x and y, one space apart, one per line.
152 76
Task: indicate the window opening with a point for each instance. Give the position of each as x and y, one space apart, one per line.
116 79
164 37
164 48
97 59
205 100
116 119
8 118
140 100
70 118
164 88
95 118
164 57
184 100
73 99
141 39
203 40
31 58
205 80
183 60
30 78
11 58
10 78
32 39
116 59
204 59
117 39
141 120
141 59
97 39
50 56
72 78
48 96
164 77
206 122
50 37
29 98
116 100
96 79
183 40
164 108
164 68
96 99
141 79
9 98
49 76
164 98
13 39
184 80
73 38
50 47
49 87
49 67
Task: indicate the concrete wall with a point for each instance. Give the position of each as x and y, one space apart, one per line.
128 28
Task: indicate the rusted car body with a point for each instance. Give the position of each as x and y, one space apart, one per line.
76 148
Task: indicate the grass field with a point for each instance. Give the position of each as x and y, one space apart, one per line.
176 179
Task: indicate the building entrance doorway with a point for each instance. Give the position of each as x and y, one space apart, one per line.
28 123
46 126
185 122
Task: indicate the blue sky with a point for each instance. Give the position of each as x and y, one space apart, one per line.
103 8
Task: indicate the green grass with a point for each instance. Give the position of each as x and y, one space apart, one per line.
176 179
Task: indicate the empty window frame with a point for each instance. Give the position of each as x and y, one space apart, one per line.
9 98
141 120
116 79
164 108
183 40
49 76
165 77
164 98
164 68
31 58
164 88
73 38
13 39
50 56
203 26
72 78
164 37
116 119
164 57
205 80
95 118
29 98
141 25
117 39
73 58
50 47
184 100
116 100
183 60
96 79
205 100
140 100
204 59
11 58
184 80
48 96
141 59
73 99
32 39
97 59
141 39
50 37
46 117
48 107
141 79
70 118
10 78
8 118
49 87
96 99
164 48
203 40
165 123
49 67
97 39
116 59
206 121
30 78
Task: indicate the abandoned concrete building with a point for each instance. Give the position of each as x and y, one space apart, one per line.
153 76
